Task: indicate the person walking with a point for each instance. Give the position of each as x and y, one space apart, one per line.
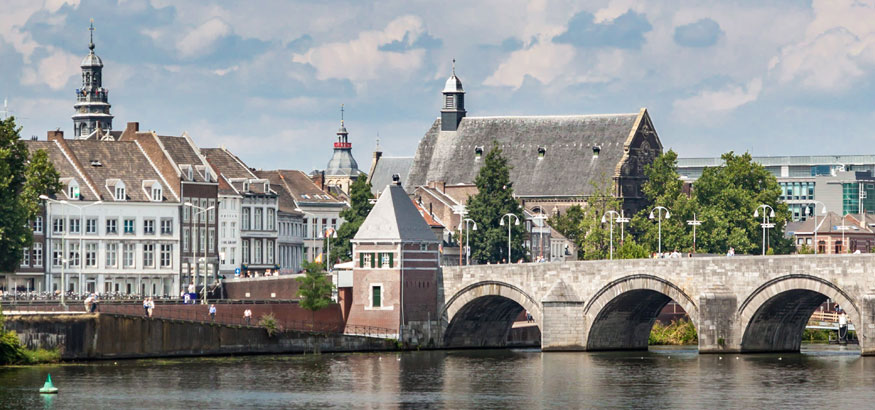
212 312
151 307
247 316
88 303
93 303
146 307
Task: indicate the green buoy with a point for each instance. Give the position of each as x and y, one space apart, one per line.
49 388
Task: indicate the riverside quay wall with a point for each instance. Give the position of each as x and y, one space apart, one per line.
98 336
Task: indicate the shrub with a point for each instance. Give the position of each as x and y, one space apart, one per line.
269 323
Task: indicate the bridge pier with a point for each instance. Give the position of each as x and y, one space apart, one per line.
866 330
564 326
717 323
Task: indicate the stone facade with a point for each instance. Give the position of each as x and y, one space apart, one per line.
738 304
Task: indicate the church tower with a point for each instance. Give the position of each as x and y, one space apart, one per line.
92 106
454 103
342 169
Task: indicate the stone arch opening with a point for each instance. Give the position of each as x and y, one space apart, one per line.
483 315
775 315
622 314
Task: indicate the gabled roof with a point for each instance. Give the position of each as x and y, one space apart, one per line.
832 223
184 154
227 163
394 218
277 183
568 165
385 168
302 188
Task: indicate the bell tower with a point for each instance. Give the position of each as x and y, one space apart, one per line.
92 102
454 103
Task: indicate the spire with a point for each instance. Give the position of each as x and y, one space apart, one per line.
454 102
91 41
454 65
341 115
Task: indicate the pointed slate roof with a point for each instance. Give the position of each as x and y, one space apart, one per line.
394 218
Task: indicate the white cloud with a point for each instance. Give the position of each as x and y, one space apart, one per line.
544 61
360 60
54 5
54 70
838 48
708 104
200 40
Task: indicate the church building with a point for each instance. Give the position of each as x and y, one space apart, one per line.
342 169
92 100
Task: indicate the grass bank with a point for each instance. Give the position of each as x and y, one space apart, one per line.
678 332
12 352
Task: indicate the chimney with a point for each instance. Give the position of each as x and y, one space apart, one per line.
132 127
323 180
396 179
55 135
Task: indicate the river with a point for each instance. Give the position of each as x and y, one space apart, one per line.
820 377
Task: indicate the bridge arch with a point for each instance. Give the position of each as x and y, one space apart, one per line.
621 314
773 317
481 314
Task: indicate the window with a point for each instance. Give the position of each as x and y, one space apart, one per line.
57 225
186 237
148 226
120 191
245 258
38 225
259 219
271 219
233 228
386 260
156 193
73 190
148 255
186 210
202 243
130 248
270 252
25 257
323 226
212 212
366 260
37 254
224 231
57 253
167 226
112 226
376 296
256 248
307 227
73 259
211 240
245 218
130 226
202 213
166 253
111 254
74 225
91 225
222 255
91 254
233 252
334 223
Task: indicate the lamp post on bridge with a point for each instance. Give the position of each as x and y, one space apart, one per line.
622 220
694 223
766 225
610 216
468 239
659 210
501 223
813 212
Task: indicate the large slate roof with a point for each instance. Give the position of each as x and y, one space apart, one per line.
394 218
386 167
568 165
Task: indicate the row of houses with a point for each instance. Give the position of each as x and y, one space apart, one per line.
149 214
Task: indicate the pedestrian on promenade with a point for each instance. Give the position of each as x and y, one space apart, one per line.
247 316
146 307
93 303
88 301
151 307
212 313
529 317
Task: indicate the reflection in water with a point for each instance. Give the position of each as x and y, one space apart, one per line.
823 376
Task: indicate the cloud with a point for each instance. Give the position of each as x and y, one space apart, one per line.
200 40
702 33
625 31
361 59
54 70
543 62
706 104
424 40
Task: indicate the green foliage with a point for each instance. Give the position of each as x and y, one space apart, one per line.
314 290
816 335
494 199
353 217
584 225
269 323
312 267
805 250
569 225
631 250
22 180
678 332
12 352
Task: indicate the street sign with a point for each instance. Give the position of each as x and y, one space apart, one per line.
237 271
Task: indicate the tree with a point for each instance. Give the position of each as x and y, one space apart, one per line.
21 183
315 290
493 200
360 206
568 224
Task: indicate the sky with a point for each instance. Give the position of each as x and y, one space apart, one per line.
266 79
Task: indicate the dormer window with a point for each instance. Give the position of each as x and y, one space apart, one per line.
266 187
478 152
246 186
189 173
596 150
120 194
73 190
156 193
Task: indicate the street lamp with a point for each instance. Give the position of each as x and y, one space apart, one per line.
328 245
508 216
468 239
813 212
659 210
765 224
611 215
81 209
541 225
694 223
622 220
201 210
460 210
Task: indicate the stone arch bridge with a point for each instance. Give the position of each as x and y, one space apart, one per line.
738 304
